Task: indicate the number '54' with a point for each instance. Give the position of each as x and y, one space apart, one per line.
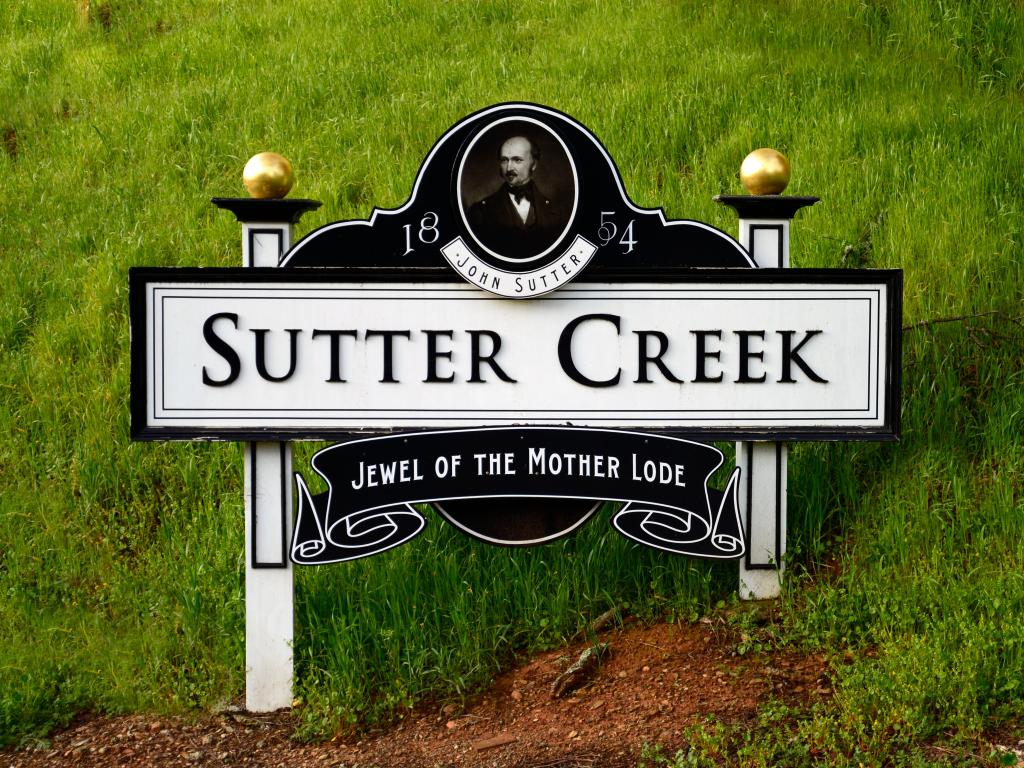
607 231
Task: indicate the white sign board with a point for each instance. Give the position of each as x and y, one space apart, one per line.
311 356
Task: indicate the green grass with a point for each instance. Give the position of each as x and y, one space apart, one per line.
121 563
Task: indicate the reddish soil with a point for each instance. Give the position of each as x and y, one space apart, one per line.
657 680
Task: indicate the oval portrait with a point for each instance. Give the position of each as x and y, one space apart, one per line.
517 189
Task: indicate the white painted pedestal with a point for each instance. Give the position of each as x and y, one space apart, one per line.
764 232
269 587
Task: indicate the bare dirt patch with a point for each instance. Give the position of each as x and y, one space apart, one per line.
655 682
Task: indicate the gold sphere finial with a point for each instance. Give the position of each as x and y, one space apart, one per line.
268 175
765 172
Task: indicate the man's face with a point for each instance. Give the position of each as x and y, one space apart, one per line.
517 161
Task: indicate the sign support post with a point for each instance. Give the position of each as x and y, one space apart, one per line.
764 232
269 598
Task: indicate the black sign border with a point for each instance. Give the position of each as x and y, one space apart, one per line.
140 276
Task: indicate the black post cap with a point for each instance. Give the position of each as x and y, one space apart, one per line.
765 206
247 209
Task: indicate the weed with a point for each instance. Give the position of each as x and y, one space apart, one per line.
10 141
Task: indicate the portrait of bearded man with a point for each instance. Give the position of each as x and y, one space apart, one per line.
518 220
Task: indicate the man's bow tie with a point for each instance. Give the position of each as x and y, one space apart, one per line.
520 192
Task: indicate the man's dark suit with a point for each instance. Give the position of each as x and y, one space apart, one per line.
497 224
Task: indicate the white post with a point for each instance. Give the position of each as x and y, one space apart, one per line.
269 587
763 465
269 625
764 232
269 594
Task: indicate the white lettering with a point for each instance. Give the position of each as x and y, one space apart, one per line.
660 472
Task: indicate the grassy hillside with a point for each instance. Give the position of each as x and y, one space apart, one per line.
121 563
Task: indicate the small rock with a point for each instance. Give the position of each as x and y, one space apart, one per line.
154 726
606 619
451 725
646 669
495 741
578 673
597 704
573 734
517 695
622 673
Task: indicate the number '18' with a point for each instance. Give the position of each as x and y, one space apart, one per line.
427 233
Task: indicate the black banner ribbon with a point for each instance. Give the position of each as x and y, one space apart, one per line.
373 483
